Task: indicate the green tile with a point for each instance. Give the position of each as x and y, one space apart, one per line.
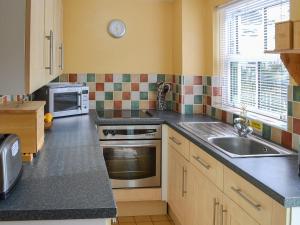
109 95
169 105
208 81
161 78
213 112
198 99
117 86
90 77
100 105
188 109
181 79
126 78
152 87
143 95
135 105
296 93
177 88
205 90
266 132
290 108
55 80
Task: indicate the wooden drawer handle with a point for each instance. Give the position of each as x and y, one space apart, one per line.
203 163
175 140
255 205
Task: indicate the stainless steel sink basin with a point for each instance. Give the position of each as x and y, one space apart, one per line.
247 147
224 138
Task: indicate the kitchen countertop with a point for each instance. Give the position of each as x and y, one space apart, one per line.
275 176
67 180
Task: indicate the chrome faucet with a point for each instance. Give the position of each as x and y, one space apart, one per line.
242 127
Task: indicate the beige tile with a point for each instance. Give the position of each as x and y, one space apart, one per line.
126 219
276 135
290 123
144 104
135 78
139 219
117 95
144 223
162 223
100 78
126 86
296 109
158 218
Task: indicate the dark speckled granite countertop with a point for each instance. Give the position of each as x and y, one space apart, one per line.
275 176
67 180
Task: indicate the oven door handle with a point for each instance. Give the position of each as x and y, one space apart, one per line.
129 145
79 100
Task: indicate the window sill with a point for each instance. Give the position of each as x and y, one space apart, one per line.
260 118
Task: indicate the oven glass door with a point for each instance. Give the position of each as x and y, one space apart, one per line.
133 163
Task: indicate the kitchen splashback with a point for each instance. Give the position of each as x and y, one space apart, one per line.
139 91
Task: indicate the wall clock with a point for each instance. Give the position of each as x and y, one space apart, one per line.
116 28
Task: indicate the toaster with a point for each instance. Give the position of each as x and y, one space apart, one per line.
10 163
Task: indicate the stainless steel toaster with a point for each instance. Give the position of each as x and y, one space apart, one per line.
10 163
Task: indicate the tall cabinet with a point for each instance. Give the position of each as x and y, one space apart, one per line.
31 31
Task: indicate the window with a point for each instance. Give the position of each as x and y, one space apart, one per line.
249 77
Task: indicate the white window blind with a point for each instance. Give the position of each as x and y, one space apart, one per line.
251 78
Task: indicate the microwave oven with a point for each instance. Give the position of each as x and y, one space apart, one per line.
64 99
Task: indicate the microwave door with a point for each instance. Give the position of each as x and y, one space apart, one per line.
65 102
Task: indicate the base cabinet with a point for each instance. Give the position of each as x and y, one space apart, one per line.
177 181
232 214
204 199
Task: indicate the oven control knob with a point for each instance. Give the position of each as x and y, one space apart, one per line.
113 133
105 132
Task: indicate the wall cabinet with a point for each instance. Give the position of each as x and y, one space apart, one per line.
29 39
202 191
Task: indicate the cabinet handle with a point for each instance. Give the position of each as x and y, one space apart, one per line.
184 172
239 191
61 48
216 203
203 163
223 214
175 140
50 39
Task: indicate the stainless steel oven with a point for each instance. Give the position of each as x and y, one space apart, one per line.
64 99
132 155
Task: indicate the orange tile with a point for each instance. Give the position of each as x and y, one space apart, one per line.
152 104
108 78
144 78
126 219
197 80
135 87
92 95
158 218
99 86
188 90
72 77
117 104
286 139
126 96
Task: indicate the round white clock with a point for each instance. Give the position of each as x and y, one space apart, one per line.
116 28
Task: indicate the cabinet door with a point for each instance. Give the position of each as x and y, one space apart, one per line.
232 214
204 199
49 39
37 26
58 38
177 183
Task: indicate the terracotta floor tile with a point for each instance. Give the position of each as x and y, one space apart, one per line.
163 223
158 218
142 219
127 223
126 219
144 223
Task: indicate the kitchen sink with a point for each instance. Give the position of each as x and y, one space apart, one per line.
246 147
224 138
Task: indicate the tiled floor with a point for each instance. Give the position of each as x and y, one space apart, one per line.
144 220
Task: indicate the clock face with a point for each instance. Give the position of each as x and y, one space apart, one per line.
116 28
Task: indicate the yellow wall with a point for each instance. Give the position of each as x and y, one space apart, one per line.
295 9
177 37
146 48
